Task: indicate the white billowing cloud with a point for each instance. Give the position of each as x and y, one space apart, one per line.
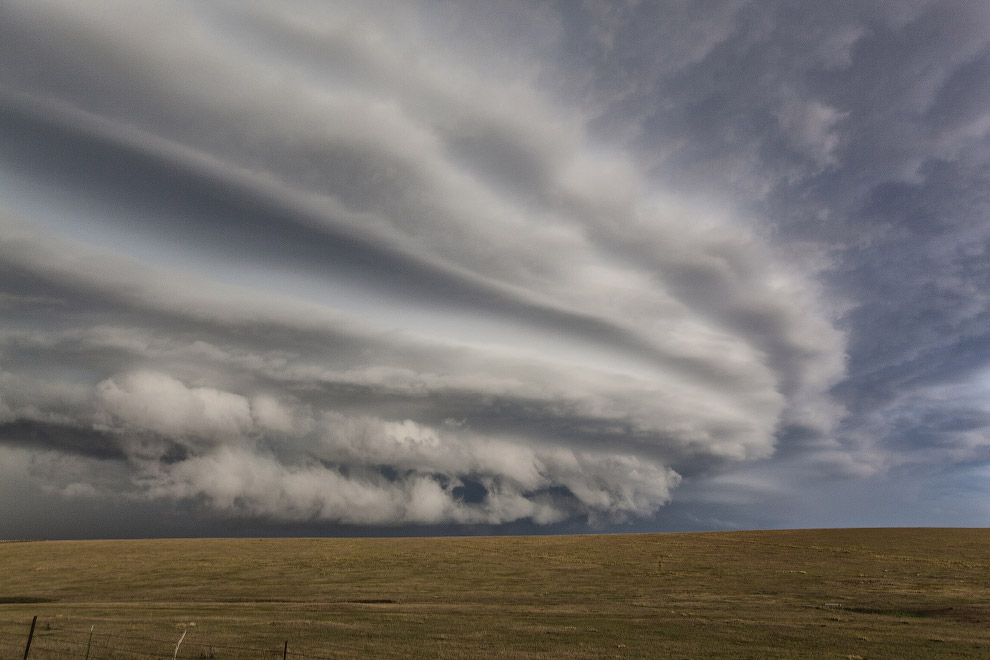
235 480
269 413
159 403
328 467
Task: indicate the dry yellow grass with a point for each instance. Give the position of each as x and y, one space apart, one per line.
889 593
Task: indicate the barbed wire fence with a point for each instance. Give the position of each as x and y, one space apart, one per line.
52 640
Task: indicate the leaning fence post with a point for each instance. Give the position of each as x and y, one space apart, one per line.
285 651
174 655
89 644
30 636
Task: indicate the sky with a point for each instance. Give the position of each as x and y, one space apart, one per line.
309 268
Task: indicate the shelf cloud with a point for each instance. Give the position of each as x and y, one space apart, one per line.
383 264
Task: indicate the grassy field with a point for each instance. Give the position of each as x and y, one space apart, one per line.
889 593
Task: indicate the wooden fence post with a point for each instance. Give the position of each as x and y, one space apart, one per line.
30 636
285 651
176 654
89 644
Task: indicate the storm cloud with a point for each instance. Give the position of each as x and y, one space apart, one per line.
403 264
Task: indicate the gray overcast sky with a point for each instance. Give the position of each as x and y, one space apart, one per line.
432 267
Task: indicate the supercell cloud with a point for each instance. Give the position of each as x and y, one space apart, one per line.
397 264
